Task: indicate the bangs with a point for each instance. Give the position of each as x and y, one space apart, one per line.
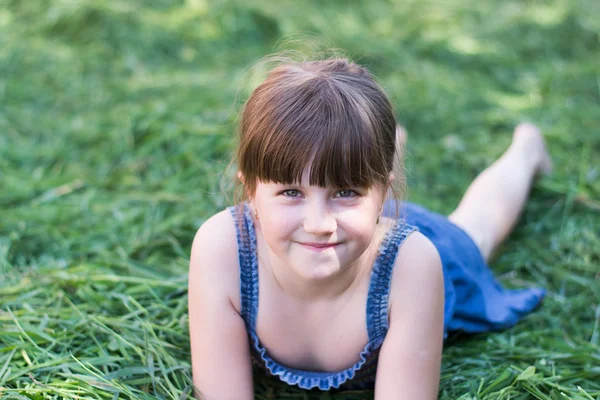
338 135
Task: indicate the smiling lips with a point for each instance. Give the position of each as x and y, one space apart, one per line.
319 246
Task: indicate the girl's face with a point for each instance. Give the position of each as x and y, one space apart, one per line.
316 231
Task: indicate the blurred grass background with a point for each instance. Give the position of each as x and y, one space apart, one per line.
116 121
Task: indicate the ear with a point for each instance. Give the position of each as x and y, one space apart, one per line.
391 178
388 190
240 176
243 180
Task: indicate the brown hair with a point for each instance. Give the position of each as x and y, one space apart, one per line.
329 113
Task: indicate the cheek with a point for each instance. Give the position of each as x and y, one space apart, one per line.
363 235
361 228
360 219
277 227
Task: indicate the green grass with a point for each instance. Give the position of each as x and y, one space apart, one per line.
116 122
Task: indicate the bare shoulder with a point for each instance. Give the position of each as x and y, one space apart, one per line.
214 258
417 272
216 234
417 256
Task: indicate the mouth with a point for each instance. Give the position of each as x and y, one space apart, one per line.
319 246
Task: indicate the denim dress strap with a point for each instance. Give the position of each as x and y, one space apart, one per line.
246 241
381 278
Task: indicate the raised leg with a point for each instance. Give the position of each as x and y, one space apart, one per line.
493 202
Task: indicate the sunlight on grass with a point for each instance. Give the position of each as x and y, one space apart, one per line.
117 122
546 14
517 103
466 44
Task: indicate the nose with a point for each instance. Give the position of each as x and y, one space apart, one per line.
319 220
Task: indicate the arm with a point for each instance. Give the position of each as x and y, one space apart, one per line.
410 357
220 352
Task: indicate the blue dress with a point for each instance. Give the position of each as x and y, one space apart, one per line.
474 300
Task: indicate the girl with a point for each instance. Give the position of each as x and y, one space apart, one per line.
320 275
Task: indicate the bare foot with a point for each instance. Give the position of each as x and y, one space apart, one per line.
530 137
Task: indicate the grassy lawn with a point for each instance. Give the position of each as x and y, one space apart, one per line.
116 123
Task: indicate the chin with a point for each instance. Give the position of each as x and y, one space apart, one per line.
318 273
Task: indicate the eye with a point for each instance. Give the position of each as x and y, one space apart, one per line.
292 193
347 193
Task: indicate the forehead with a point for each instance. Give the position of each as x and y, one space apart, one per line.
319 170
321 181
324 157
305 183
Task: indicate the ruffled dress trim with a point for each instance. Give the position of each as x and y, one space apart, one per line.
377 305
